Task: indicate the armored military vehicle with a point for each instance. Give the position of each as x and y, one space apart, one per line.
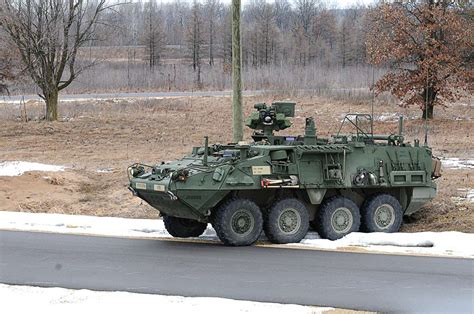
284 184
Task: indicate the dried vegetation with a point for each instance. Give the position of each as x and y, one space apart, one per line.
112 134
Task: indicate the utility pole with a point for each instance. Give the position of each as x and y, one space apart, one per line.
237 112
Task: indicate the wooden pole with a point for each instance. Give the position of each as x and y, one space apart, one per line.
237 112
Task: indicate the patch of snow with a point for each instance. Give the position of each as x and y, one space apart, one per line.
457 163
105 170
457 118
449 243
75 99
387 117
470 195
466 195
17 168
78 224
427 243
60 300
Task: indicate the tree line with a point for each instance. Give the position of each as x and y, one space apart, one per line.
425 46
299 32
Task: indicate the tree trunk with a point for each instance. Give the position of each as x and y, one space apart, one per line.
428 112
211 41
199 83
51 100
429 95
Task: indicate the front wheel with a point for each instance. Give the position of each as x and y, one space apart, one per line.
183 228
381 213
337 217
238 222
287 221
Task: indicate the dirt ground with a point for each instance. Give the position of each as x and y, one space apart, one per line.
98 139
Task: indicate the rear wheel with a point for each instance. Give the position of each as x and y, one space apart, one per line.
381 213
287 221
337 217
183 228
238 222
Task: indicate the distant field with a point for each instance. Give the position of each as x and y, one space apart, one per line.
125 68
99 139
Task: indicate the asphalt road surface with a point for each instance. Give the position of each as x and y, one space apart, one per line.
70 97
128 95
348 280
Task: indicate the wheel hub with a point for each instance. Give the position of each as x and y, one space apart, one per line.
242 222
342 220
289 221
384 216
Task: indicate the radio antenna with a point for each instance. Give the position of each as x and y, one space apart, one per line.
372 103
426 111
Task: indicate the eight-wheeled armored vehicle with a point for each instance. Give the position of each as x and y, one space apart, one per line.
285 184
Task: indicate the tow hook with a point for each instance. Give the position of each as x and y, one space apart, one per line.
133 191
172 196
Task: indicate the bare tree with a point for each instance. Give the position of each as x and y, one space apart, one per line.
195 39
6 63
176 22
283 14
262 35
267 30
48 34
351 37
154 36
305 12
226 39
324 34
211 8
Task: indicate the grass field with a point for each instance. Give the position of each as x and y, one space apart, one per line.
98 139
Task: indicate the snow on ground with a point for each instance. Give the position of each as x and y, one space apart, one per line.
387 117
60 300
17 168
470 195
465 195
426 243
105 170
457 163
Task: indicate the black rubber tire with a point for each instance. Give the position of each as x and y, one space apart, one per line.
373 205
337 205
274 226
236 211
183 228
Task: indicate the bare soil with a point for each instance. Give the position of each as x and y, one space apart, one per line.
98 139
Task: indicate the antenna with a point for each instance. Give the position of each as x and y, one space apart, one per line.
426 111
372 103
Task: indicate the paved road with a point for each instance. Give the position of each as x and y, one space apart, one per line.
173 94
348 280
128 95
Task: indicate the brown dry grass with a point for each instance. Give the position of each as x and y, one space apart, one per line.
115 133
